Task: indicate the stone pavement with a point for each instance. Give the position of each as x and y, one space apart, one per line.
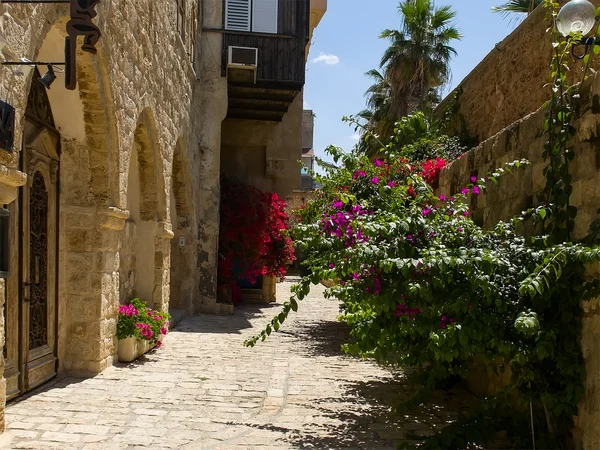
204 390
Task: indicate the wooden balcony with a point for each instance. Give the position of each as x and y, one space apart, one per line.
280 72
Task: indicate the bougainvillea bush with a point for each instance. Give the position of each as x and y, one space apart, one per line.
139 321
253 238
422 285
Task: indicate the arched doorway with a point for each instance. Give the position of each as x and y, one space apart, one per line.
182 246
31 312
144 251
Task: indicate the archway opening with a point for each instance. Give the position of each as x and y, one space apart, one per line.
182 248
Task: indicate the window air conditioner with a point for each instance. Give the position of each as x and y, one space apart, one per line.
242 63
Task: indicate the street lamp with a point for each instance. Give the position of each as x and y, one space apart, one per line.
578 16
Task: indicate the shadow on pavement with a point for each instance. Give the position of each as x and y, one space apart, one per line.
320 338
232 324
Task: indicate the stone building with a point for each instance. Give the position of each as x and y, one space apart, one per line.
113 187
303 191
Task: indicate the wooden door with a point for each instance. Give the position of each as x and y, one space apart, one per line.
31 310
39 255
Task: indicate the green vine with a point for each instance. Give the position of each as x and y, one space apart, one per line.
561 111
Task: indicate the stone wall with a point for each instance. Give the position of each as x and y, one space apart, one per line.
523 189
265 154
135 97
507 84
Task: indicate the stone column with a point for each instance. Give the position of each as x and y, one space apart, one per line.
162 266
89 287
209 109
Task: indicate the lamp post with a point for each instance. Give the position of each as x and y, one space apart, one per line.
578 16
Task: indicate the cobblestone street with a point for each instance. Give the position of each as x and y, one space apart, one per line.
204 390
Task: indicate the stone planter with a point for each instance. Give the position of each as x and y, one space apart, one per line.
132 348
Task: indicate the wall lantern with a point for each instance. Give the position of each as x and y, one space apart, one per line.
578 16
4 242
7 126
82 13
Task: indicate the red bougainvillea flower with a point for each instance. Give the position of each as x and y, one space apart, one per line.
253 241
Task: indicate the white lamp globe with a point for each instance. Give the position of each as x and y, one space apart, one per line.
577 16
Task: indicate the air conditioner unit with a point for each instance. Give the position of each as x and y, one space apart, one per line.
242 63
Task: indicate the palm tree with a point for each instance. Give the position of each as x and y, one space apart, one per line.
419 54
377 113
517 6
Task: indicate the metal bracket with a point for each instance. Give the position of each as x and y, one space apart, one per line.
82 13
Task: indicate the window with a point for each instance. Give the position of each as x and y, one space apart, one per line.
181 18
259 16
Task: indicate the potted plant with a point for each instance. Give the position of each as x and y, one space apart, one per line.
139 329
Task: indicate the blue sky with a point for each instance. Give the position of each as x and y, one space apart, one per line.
346 45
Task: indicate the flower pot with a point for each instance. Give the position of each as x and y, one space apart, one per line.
132 348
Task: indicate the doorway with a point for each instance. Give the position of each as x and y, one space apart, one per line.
31 310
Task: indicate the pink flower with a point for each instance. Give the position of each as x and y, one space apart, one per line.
460 229
377 163
473 179
163 331
476 190
375 180
331 266
464 191
338 204
465 213
391 184
128 310
442 198
426 212
158 344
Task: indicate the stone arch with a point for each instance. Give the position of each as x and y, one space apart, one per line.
144 250
86 120
183 248
88 170
153 202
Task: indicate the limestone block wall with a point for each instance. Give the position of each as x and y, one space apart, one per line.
523 189
137 92
507 84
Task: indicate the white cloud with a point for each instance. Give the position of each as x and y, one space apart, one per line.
355 137
327 58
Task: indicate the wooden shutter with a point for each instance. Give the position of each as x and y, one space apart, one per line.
264 16
237 15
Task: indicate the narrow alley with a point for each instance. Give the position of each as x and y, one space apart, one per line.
205 390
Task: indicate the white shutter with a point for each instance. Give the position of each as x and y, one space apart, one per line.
264 16
237 15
